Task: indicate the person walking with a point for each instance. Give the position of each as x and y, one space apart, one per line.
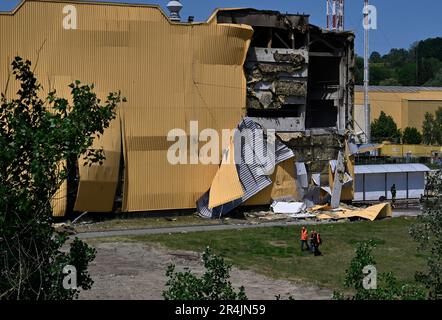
393 195
304 239
312 241
316 241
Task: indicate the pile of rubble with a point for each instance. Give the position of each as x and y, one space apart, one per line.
298 211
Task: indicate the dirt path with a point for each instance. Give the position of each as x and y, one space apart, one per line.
136 271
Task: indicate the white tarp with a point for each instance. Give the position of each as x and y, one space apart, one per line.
288 207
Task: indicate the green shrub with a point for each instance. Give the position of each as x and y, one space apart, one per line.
213 285
387 288
38 136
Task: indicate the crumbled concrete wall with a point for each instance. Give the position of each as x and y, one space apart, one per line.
304 87
314 150
276 77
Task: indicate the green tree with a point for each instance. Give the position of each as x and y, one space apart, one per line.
359 70
421 64
428 133
375 57
387 286
428 233
213 285
428 69
378 73
389 82
411 136
384 128
407 74
436 81
37 137
431 47
432 128
438 125
396 58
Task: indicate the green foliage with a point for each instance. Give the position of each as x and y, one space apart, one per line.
375 57
431 48
419 65
359 70
428 69
37 137
384 128
379 73
389 82
396 58
428 233
407 74
79 255
432 128
388 288
411 136
213 285
354 274
436 81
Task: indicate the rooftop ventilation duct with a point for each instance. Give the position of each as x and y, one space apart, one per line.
174 8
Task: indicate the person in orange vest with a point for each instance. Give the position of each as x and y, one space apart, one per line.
304 238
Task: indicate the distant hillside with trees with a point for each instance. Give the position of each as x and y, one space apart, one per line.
421 65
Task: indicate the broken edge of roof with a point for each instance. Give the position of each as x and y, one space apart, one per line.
323 30
262 11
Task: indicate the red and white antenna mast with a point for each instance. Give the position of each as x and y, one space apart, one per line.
335 15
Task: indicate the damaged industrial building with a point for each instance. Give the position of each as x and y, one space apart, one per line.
300 84
243 68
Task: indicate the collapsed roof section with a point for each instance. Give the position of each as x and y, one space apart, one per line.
299 77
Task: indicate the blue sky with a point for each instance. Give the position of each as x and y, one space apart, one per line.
400 22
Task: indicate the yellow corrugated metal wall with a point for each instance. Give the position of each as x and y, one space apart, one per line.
416 109
406 108
170 73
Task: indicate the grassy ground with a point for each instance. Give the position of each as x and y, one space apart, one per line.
275 252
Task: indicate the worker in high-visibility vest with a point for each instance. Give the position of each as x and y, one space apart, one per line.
304 239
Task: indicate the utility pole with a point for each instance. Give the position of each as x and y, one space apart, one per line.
366 73
417 64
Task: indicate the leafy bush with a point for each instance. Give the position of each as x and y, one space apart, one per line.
388 288
213 285
384 128
428 233
411 136
432 128
37 138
